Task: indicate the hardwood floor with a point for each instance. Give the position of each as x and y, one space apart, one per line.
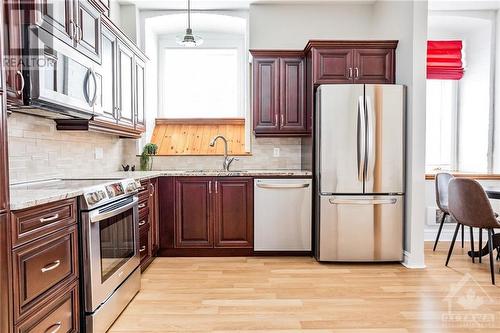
294 294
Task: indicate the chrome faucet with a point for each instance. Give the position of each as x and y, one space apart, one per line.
227 160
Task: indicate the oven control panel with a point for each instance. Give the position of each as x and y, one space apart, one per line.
109 191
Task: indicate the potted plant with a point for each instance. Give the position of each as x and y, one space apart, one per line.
147 156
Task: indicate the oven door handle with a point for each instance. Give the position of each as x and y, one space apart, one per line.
106 215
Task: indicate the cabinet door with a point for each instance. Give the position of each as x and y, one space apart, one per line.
125 73
154 215
87 36
193 212
292 96
57 18
266 95
374 66
106 102
140 122
4 188
12 30
332 66
234 212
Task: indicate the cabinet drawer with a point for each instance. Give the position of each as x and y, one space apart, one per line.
42 267
32 223
59 315
144 220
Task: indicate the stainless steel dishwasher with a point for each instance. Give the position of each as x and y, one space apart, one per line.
282 214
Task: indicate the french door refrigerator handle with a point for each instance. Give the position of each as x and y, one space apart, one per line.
337 201
361 138
370 155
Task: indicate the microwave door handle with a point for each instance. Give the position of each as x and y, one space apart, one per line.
94 79
86 87
106 215
361 138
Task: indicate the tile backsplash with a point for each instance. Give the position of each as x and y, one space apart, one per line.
38 151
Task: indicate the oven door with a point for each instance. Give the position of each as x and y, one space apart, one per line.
111 249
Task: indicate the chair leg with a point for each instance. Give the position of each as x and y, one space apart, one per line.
439 231
472 244
463 236
492 265
452 244
480 244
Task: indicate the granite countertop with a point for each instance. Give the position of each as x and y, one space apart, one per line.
25 198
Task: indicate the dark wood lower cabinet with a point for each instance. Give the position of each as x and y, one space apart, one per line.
148 221
193 213
234 213
205 216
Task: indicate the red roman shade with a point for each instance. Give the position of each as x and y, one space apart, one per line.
444 60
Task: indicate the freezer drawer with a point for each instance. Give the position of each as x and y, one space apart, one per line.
361 228
282 214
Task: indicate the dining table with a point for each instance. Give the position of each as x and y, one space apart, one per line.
493 192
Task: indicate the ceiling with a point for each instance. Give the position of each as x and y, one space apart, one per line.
225 4
464 4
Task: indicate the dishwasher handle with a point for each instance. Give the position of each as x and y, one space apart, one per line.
283 186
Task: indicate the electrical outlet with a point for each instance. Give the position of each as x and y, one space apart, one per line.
99 153
276 152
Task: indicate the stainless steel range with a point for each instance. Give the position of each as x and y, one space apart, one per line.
110 251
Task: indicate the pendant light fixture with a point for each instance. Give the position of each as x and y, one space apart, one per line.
189 40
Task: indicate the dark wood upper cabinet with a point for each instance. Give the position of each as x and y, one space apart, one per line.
88 29
336 62
140 120
125 71
56 16
374 66
13 52
4 166
292 95
193 210
279 93
332 66
234 212
266 94
106 102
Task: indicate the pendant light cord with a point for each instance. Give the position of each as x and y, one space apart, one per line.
189 14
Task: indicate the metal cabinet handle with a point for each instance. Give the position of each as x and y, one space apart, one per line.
152 190
80 33
143 222
142 205
356 73
51 266
20 91
216 187
210 187
283 186
350 73
54 328
276 118
143 248
282 119
49 219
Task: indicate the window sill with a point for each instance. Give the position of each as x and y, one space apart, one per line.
478 176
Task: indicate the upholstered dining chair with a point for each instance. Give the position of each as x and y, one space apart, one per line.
468 204
441 181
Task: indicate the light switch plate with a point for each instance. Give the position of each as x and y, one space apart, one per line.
276 152
99 153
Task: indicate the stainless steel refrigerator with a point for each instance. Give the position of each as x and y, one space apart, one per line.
360 172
